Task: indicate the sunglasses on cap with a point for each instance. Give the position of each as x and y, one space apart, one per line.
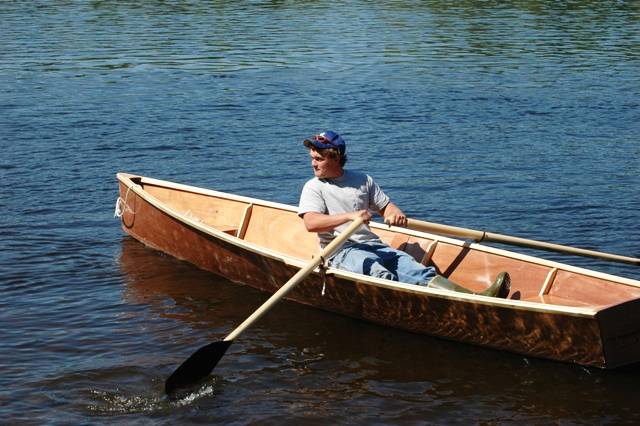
324 139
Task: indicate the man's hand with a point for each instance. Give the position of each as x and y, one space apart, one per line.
364 214
394 216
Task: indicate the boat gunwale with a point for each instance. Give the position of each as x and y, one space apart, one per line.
127 179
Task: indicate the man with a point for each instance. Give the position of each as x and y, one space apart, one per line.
336 196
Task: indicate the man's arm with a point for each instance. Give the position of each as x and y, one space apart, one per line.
319 222
393 215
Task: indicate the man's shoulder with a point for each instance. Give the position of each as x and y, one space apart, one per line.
356 175
348 178
314 181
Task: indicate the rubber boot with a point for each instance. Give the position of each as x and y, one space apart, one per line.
442 283
500 286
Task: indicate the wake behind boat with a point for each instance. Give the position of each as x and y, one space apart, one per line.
553 310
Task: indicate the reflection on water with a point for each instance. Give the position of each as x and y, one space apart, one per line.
176 290
232 36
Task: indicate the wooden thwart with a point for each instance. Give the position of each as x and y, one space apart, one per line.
244 222
548 282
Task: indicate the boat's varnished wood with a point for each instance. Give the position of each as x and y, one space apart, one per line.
219 213
540 333
282 231
561 325
162 232
596 291
533 333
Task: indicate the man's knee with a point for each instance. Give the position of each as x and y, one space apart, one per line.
375 269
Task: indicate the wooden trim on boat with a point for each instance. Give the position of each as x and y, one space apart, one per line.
244 222
548 282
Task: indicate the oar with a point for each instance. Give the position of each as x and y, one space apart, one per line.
204 360
478 236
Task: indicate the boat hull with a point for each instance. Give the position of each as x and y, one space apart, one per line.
592 339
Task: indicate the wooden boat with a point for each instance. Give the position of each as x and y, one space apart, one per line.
554 310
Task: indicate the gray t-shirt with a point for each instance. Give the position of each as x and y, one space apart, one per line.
350 192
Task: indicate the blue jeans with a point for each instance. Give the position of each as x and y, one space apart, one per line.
380 260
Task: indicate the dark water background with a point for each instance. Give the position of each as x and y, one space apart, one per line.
519 117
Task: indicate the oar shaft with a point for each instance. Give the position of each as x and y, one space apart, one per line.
478 236
523 242
453 231
295 280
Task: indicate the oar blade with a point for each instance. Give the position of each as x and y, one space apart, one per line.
197 367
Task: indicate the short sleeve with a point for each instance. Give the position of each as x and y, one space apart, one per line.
311 199
378 200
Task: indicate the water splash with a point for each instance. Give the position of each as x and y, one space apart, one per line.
125 401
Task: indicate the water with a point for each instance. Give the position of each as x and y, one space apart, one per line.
517 117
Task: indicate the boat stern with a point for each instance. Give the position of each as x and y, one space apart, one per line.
620 330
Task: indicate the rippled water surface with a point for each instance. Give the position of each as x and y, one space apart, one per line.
519 117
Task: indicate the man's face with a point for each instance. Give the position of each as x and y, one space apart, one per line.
325 167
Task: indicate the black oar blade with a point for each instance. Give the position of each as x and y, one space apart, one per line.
197 367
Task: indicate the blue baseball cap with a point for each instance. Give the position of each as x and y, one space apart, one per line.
325 140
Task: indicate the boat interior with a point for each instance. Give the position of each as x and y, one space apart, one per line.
278 228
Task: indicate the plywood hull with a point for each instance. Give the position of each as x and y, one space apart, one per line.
601 338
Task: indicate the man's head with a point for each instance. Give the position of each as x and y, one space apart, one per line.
328 154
